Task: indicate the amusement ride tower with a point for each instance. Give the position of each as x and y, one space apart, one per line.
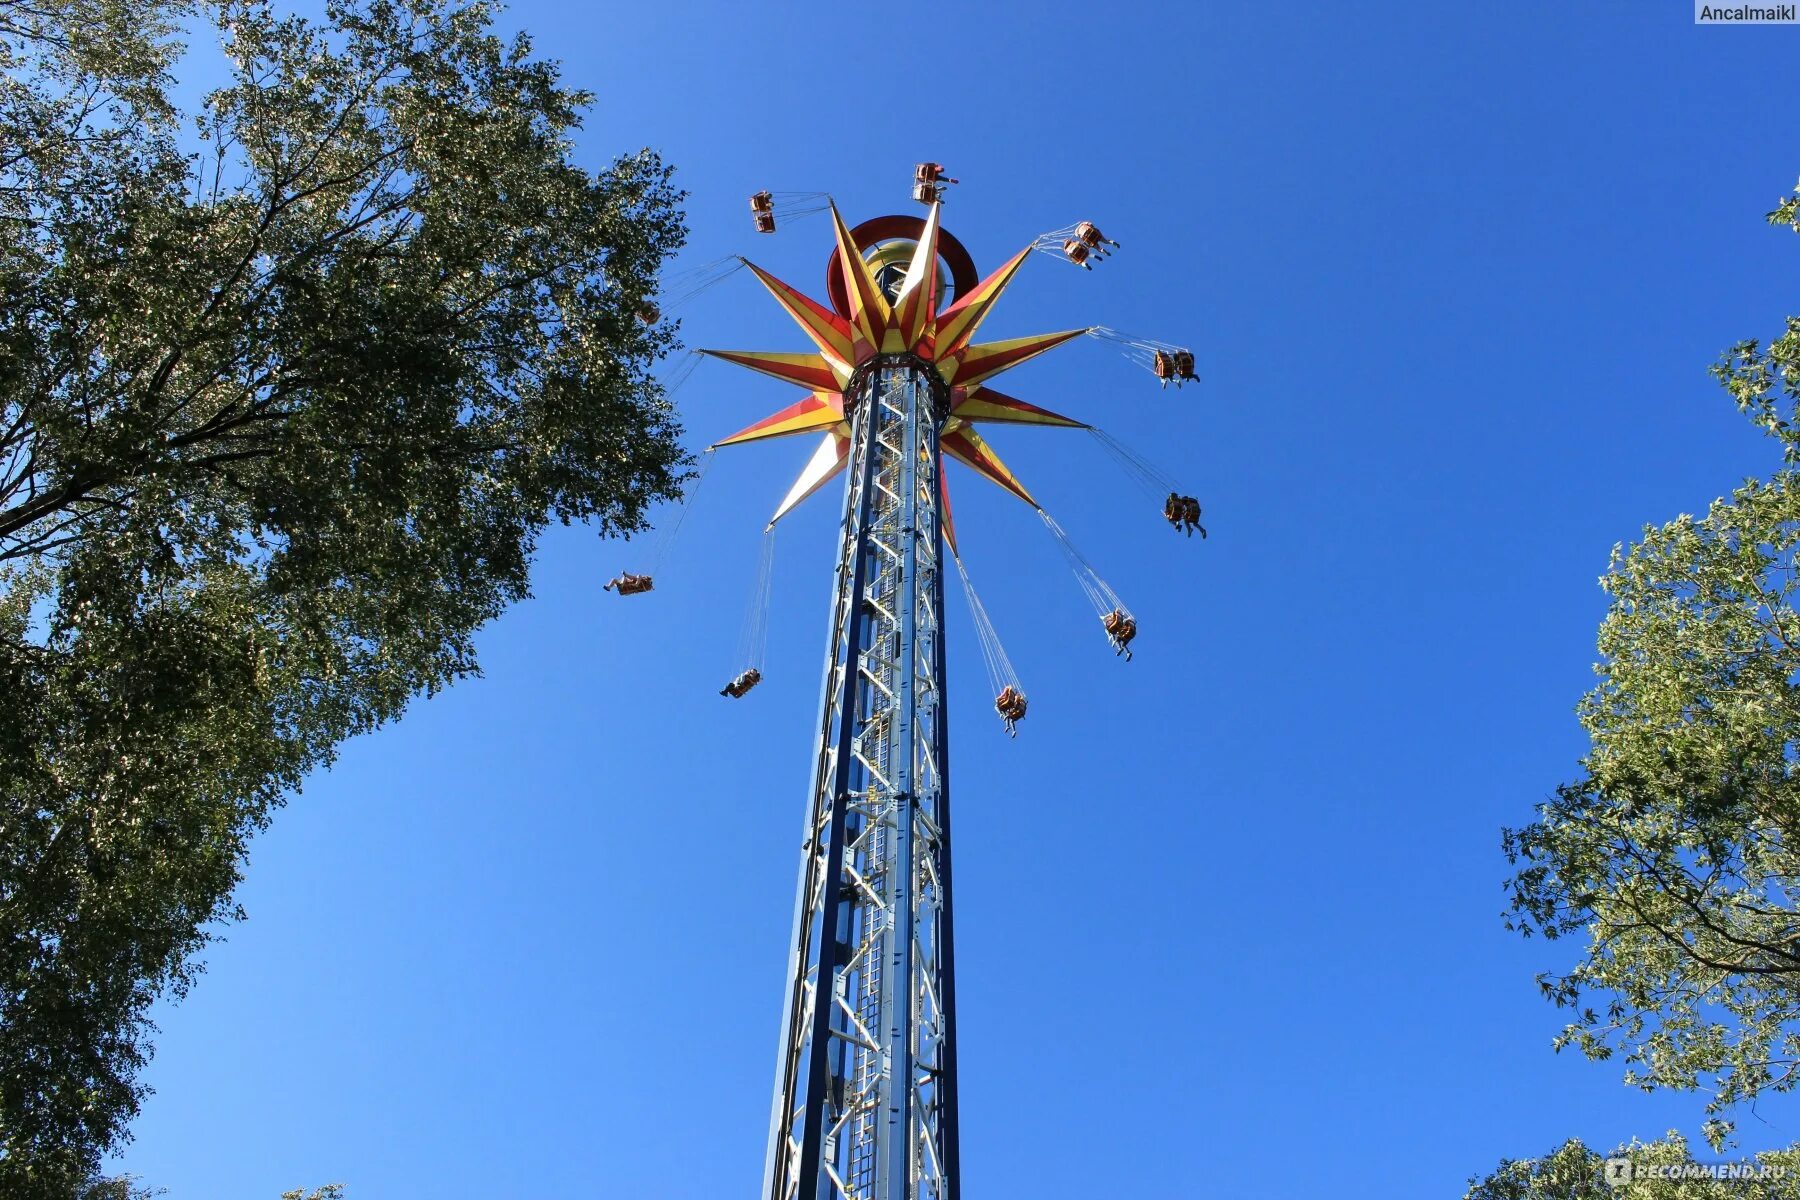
865 1103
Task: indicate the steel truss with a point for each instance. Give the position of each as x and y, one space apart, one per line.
865 1101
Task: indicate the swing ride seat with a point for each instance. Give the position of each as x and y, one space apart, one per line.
928 182
648 313
1179 511
628 584
1120 626
743 683
1089 235
1168 362
1077 252
762 209
1010 704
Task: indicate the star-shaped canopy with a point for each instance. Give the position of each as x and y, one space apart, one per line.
908 324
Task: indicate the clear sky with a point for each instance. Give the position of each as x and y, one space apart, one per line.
1229 914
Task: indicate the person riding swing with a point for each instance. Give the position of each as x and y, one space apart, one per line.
628 584
1191 515
1010 704
743 683
1162 363
928 182
762 210
1090 236
1121 627
1183 512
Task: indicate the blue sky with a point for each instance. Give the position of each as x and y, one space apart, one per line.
1229 914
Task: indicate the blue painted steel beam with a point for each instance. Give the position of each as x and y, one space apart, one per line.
865 1104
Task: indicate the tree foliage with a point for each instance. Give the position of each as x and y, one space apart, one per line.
1676 855
289 387
1574 1172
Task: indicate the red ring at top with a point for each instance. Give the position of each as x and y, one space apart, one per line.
883 229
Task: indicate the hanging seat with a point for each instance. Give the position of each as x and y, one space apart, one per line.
742 684
1011 705
1162 364
1183 513
928 182
628 584
1089 235
762 211
1191 514
1121 627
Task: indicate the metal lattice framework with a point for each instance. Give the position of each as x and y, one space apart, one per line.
865 1098
866 1101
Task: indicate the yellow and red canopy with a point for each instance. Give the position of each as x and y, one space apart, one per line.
870 325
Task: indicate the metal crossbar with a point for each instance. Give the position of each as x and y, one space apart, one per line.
869 1023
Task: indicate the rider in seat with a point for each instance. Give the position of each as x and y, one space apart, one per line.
1183 512
1191 514
628 584
1163 364
1078 253
1184 367
743 683
928 182
1010 704
1121 627
762 209
1093 239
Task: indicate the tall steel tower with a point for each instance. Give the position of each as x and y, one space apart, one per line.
865 1098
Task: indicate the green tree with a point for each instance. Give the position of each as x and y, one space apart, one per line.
1573 1172
289 387
1676 855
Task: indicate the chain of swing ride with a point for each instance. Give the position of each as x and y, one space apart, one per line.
1081 244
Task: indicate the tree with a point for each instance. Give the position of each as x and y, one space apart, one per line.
1677 852
1658 1171
286 399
